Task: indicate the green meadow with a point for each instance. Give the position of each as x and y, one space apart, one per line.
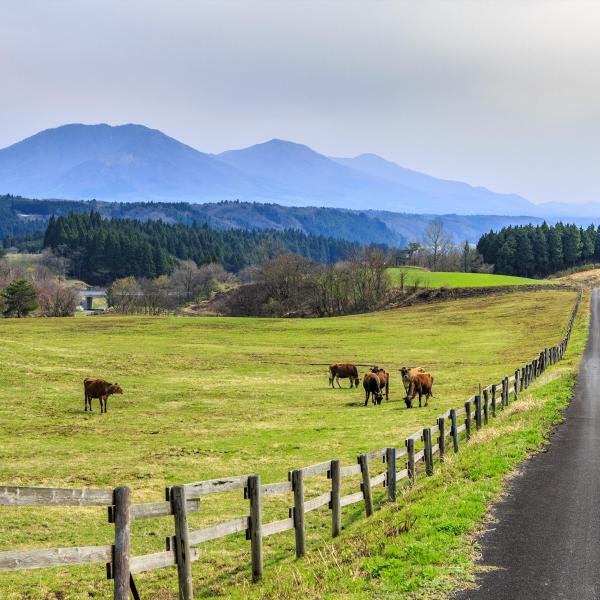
210 397
436 279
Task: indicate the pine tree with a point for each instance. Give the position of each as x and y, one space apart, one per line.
20 298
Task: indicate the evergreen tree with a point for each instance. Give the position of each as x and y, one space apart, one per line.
506 257
20 298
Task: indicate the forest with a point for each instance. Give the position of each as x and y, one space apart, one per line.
101 250
538 251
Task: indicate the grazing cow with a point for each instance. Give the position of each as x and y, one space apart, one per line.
384 380
343 371
98 388
408 373
420 384
372 386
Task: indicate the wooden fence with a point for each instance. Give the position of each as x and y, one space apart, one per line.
376 468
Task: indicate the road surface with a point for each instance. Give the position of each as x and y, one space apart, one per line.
546 543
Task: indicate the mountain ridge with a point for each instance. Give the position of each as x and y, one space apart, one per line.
132 162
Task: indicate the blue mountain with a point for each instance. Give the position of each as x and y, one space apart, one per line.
133 163
123 162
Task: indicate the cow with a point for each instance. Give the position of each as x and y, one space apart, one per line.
408 373
372 386
384 380
98 388
343 371
420 384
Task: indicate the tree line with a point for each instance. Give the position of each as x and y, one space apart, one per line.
101 250
538 251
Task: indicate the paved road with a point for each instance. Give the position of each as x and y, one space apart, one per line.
546 544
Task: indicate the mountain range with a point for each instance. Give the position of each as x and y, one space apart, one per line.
134 163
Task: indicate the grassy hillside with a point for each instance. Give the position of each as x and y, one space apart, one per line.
215 397
455 280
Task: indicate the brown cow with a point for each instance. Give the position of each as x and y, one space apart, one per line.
420 384
343 371
98 388
372 386
384 380
408 373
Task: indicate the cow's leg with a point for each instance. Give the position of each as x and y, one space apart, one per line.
367 394
420 394
338 381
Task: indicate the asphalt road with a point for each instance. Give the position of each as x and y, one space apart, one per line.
546 544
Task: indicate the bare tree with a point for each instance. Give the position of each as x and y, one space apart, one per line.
56 264
185 281
190 282
437 240
123 295
284 278
57 299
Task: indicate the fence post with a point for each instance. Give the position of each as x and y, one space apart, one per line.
427 451
453 429
390 462
486 404
531 372
363 461
517 384
122 547
297 478
182 543
468 419
504 392
336 493
442 438
478 412
410 463
494 400
255 529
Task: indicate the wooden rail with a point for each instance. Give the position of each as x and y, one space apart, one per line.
374 468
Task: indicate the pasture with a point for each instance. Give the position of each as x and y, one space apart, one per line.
209 397
436 279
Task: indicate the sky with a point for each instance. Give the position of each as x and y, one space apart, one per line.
504 94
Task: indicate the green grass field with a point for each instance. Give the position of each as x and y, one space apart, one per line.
213 397
423 278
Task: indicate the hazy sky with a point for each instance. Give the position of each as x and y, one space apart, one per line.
503 94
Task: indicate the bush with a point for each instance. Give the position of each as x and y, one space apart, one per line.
58 300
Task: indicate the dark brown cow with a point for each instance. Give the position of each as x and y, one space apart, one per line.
384 380
372 386
343 371
420 384
98 388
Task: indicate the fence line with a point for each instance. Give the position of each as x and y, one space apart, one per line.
184 499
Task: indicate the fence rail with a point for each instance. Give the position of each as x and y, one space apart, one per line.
184 499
